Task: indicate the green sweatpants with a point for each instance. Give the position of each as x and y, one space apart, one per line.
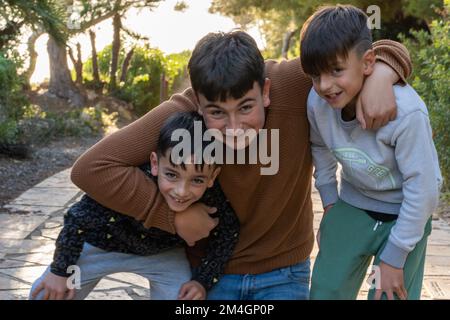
349 239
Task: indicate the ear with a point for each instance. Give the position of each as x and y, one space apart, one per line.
369 62
154 163
266 93
199 108
214 176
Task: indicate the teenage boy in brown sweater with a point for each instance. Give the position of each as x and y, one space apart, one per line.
236 92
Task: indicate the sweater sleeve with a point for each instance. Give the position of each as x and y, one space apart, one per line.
396 56
325 164
221 242
416 157
108 172
78 220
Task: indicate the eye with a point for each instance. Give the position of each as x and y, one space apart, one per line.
246 108
216 113
170 175
337 71
198 181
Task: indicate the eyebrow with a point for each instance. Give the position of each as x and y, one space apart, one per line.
173 169
200 176
212 105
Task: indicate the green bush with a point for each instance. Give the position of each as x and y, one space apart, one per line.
176 69
142 84
38 126
431 62
143 81
12 101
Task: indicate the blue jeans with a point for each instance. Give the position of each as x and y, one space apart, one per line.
289 283
166 271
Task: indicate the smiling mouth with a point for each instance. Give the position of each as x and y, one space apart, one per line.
333 96
179 201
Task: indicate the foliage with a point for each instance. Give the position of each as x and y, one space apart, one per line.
12 101
276 18
431 59
35 14
143 80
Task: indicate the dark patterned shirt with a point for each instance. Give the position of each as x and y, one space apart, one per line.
88 221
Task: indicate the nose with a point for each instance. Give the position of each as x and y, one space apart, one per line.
234 126
325 83
181 189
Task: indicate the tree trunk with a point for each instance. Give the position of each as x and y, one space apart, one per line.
287 43
125 65
79 68
115 52
33 57
61 84
77 64
95 72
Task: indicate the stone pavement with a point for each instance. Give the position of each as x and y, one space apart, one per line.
30 224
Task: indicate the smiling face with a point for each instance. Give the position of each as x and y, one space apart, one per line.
235 117
341 86
179 186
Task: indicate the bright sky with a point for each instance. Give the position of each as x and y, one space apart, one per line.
168 30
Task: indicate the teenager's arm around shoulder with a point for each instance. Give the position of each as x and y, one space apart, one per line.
109 171
395 55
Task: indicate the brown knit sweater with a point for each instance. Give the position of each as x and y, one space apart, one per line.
275 212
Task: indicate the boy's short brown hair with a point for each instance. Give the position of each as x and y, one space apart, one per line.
331 32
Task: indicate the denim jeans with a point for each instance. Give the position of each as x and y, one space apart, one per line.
288 283
166 271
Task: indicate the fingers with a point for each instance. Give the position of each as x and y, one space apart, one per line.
368 122
393 115
376 124
401 293
211 210
70 294
190 291
378 294
59 295
52 295
390 295
405 293
183 291
215 222
198 296
380 122
46 295
36 291
360 114
191 294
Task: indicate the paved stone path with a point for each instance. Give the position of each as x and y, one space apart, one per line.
30 224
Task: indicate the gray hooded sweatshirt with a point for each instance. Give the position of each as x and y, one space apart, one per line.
392 170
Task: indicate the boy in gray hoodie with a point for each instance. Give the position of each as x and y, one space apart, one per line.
390 177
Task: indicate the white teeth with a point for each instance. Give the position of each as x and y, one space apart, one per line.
179 201
333 95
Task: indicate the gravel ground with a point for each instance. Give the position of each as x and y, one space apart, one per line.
18 175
